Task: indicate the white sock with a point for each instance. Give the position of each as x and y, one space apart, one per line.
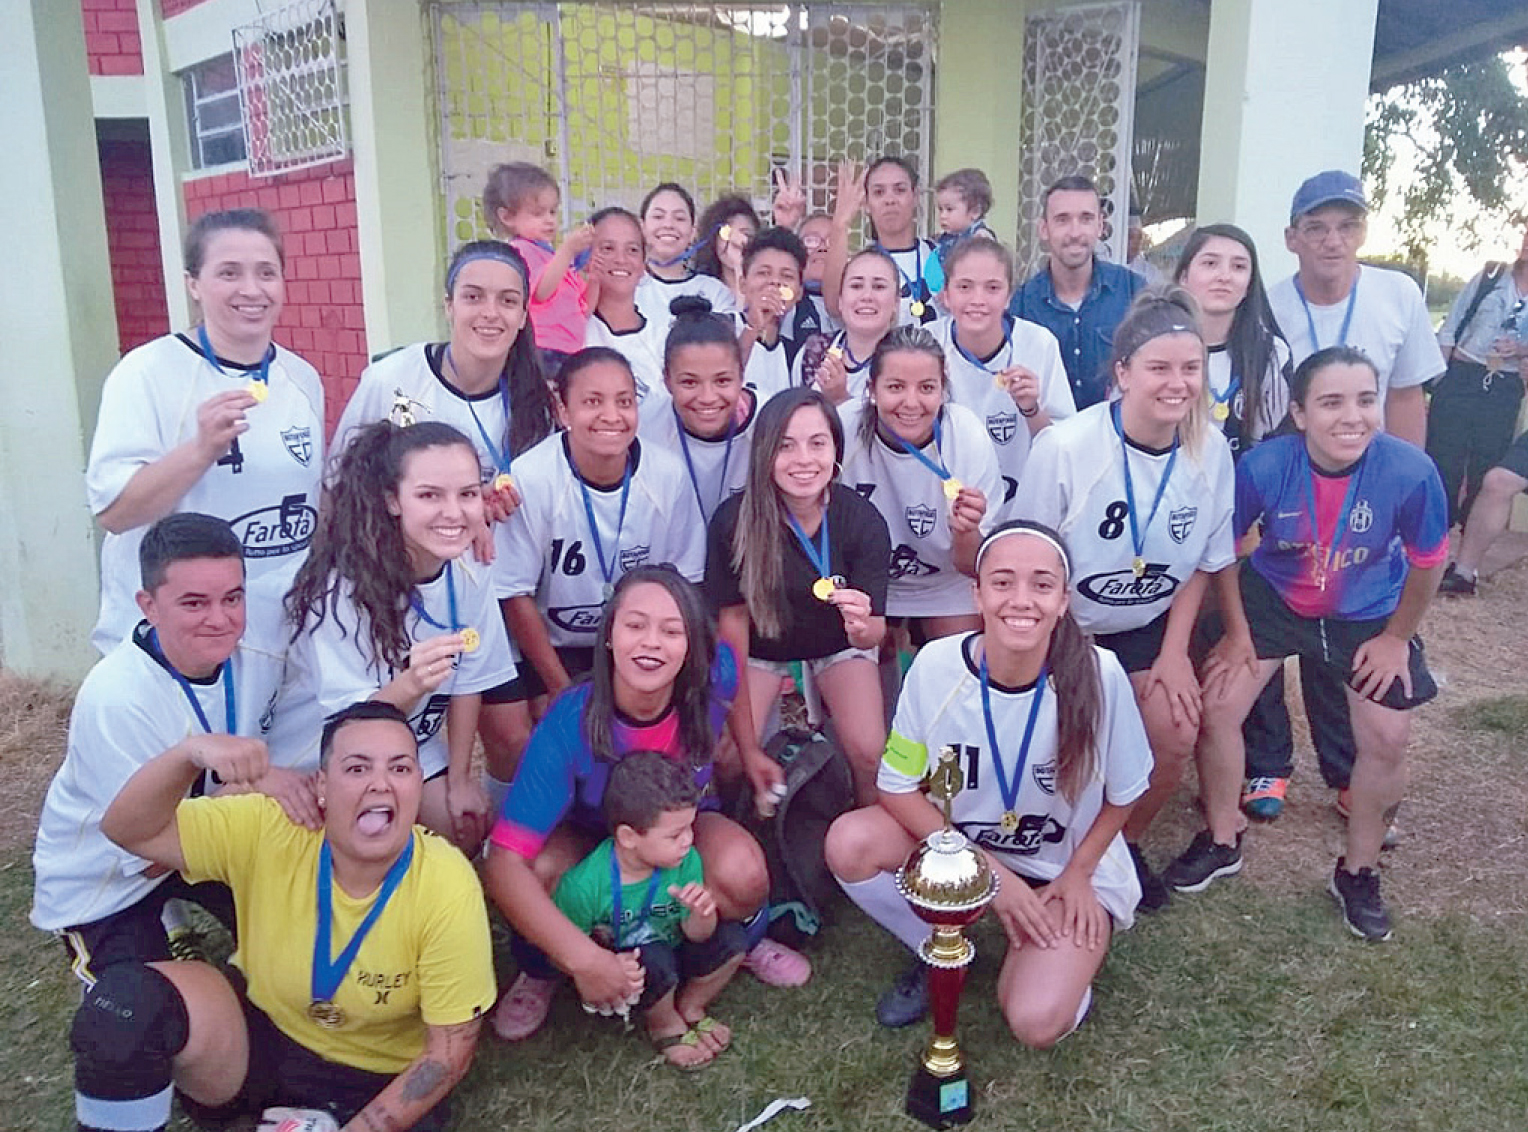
1082 1011
496 789
879 899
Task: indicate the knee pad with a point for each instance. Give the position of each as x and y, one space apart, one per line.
132 1016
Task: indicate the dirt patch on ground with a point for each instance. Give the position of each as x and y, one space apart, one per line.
34 724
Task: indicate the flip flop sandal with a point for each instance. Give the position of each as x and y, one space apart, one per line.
689 1038
706 1024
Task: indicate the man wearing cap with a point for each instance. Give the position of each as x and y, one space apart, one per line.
1335 300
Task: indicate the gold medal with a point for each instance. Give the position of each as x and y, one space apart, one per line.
1221 411
725 233
951 488
259 390
502 481
787 295
822 589
471 639
1138 566
1000 381
326 1014
1009 822
835 352
917 308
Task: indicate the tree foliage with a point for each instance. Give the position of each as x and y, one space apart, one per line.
1466 131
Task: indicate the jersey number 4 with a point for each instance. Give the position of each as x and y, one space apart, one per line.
573 562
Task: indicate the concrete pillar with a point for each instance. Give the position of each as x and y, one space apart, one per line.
979 98
1282 78
165 105
58 338
402 250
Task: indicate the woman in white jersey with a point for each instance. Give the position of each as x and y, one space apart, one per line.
1052 756
1142 489
618 321
839 363
710 418
668 229
1007 371
597 503
929 469
392 605
219 420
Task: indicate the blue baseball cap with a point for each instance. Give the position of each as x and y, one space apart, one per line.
1334 186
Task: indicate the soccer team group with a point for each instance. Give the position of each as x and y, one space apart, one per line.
662 471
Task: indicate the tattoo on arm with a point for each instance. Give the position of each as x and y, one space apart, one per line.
423 1079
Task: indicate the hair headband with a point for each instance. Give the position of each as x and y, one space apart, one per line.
502 254
1153 323
1032 532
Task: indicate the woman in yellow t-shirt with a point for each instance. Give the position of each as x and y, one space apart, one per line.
374 1025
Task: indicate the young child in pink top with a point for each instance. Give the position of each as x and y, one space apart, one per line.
520 204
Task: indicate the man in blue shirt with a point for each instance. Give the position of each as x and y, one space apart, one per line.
1077 296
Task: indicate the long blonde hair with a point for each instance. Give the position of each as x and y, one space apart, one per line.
1160 310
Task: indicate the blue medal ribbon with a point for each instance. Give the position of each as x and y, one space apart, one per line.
262 375
1138 530
607 568
501 457
1325 561
689 251
841 340
684 446
1225 398
329 972
917 289
418 606
230 709
935 466
1009 787
977 362
1347 318
820 556
615 899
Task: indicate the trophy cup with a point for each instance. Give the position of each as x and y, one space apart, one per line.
949 884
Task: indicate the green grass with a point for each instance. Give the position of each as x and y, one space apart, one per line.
1229 1012
1505 715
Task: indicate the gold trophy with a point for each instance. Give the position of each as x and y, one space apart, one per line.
949 884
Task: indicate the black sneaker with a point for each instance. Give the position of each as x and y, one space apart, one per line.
1154 894
1203 861
1358 896
1455 584
906 1001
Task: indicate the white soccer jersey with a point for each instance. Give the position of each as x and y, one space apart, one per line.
714 469
941 706
910 497
643 350
654 296
857 370
482 418
266 486
974 386
1074 481
551 555
913 265
1390 324
1275 393
768 370
129 710
331 666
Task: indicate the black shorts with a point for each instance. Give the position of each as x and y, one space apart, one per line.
285 1073
666 966
1137 649
577 660
1515 459
136 933
1278 632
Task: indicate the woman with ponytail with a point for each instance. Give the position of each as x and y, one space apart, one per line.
392 605
1051 758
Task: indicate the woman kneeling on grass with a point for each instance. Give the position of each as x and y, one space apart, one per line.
1354 535
1054 756
377 1030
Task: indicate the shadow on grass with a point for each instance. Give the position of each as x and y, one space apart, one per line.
1230 1012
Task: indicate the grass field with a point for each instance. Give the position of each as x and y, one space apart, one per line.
1246 1009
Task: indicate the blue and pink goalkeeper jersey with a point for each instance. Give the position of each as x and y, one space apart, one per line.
1390 506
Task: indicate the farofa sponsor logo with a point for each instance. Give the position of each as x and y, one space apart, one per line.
270 532
1122 587
577 618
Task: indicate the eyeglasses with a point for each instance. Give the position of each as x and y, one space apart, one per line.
1317 232
815 244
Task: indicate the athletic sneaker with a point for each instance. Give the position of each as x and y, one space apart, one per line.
1263 798
906 1001
523 1008
1455 584
1392 834
776 965
1358 896
1203 861
187 945
1154 894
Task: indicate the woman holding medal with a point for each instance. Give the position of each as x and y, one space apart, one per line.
1354 537
392 605
1052 757
1007 371
219 420
929 468
1141 488
796 567
377 1030
839 363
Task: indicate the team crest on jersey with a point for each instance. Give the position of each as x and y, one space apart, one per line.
1362 517
577 618
1122 587
921 519
905 563
1181 521
299 442
634 556
272 532
1002 426
1045 777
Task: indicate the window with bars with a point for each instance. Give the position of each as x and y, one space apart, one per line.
216 128
291 86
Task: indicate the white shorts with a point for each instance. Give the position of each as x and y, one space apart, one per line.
817 666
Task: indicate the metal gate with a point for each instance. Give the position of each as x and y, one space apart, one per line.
1079 101
612 98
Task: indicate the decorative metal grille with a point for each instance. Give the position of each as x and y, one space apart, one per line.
292 87
1079 98
613 98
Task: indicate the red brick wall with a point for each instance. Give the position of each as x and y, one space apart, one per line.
132 241
315 209
111 37
168 8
